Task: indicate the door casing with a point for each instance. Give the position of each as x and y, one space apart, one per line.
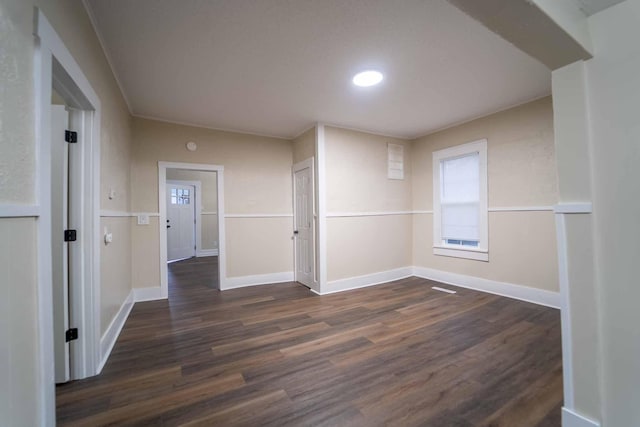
162 208
55 67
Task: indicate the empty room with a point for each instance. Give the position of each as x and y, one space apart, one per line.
291 213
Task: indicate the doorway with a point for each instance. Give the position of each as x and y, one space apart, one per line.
192 226
55 69
303 234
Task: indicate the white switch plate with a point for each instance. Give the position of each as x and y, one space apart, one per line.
143 219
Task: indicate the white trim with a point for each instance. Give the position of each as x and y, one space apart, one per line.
383 213
67 75
299 134
203 126
573 419
509 290
150 214
209 213
467 253
259 215
151 293
522 209
257 279
206 252
573 208
565 312
367 280
370 132
115 214
321 205
479 116
523 293
19 211
162 209
354 214
112 333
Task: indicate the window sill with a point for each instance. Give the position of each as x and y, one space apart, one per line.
467 253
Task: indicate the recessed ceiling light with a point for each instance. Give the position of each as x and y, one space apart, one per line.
367 78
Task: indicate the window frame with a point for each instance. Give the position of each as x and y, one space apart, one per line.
481 252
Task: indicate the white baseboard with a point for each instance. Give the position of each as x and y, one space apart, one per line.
523 293
258 279
572 419
147 294
367 280
206 252
112 333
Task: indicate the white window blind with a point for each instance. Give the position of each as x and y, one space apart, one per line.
460 198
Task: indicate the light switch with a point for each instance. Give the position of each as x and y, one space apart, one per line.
108 237
143 219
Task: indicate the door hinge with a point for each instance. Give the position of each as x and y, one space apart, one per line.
71 334
70 136
70 235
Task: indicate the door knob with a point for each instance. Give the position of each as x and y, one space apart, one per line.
295 231
168 226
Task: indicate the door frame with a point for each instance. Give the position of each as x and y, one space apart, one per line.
197 209
162 208
54 66
308 163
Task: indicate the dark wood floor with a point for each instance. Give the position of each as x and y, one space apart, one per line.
394 354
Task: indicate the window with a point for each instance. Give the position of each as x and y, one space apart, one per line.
180 196
460 201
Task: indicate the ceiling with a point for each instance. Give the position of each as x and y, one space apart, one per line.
591 7
275 67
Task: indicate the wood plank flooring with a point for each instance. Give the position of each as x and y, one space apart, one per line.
394 354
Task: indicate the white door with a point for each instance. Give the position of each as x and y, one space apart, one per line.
181 242
60 248
303 224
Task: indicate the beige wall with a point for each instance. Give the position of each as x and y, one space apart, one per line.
115 263
356 171
209 200
358 246
257 180
521 173
304 146
18 174
17 115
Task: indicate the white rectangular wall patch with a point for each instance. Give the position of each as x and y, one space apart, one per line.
395 155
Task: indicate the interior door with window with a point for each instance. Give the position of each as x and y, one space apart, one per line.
303 223
181 240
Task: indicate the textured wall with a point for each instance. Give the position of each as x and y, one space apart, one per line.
357 182
521 174
257 180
